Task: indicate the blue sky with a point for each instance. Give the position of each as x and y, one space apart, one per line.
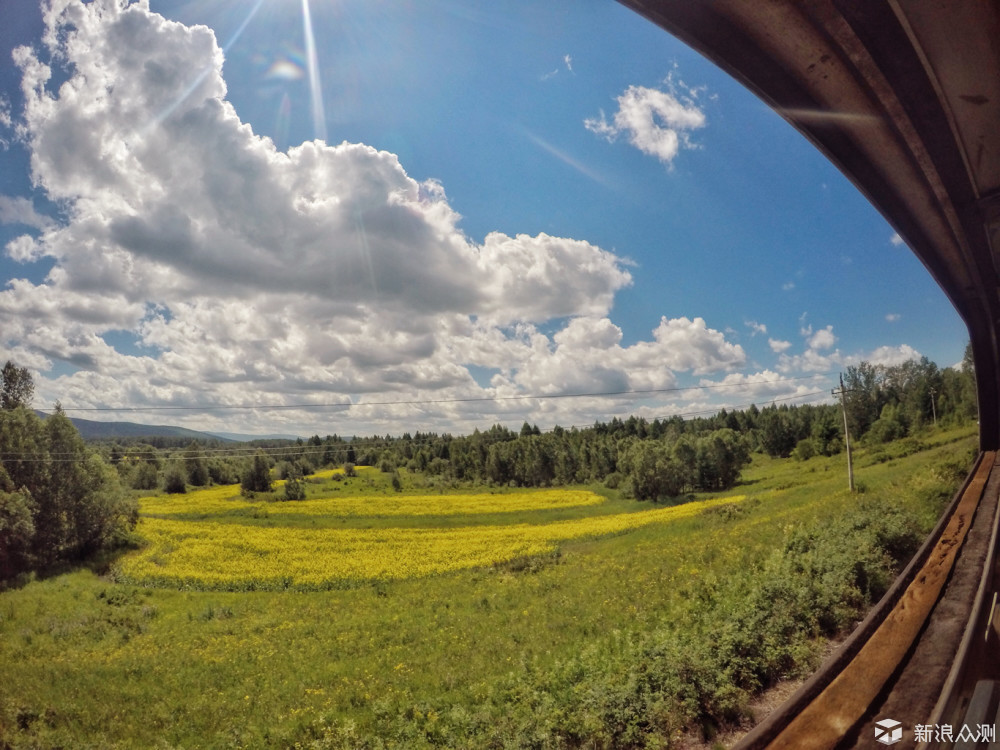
204 204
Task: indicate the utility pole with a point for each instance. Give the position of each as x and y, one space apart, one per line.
847 437
933 407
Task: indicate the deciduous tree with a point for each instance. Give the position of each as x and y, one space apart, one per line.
16 386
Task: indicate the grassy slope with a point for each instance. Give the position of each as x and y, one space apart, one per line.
85 662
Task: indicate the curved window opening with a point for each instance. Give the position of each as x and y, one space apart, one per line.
550 228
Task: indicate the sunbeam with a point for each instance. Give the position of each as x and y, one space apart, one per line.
564 157
283 122
315 89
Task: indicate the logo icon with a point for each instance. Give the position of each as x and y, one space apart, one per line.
888 731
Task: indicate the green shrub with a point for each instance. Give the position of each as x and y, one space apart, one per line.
295 489
144 477
174 480
804 450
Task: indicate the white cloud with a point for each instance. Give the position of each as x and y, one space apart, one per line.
893 355
755 327
896 240
23 249
812 360
691 345
6 121
196 200
320 274
893 317
658 123
538 278
567 61
778 346
821 339
764 386
587 357
21 211
788 286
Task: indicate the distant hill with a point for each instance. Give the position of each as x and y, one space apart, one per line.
239 438
92 430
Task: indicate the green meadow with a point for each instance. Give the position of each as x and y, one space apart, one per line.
640 638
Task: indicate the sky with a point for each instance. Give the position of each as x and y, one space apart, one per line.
356 217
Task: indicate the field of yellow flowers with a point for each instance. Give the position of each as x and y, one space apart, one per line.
213 539
225 500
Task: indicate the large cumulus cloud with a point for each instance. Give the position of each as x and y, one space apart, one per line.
160 170
245 273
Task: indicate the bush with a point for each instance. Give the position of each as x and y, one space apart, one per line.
295 489
174 482
804 450
221 471
145 477
890 426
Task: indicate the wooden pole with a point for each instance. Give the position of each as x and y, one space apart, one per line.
847 436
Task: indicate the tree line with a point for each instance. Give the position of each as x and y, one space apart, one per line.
59 500
647 459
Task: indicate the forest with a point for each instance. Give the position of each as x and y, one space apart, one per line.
648 460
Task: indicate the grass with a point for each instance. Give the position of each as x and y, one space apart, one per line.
607 642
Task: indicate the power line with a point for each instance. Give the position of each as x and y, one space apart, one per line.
805 397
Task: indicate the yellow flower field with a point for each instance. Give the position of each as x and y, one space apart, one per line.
226 556
227 499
